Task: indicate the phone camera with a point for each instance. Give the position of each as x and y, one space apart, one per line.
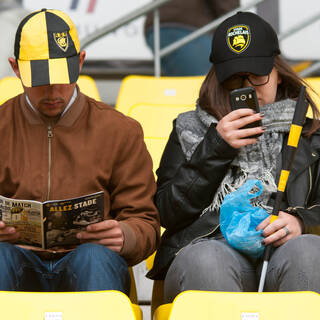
243 97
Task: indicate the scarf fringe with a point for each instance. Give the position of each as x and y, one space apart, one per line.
226 188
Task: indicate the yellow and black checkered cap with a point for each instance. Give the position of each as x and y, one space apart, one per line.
47 49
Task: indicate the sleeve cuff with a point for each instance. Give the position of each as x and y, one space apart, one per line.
130 240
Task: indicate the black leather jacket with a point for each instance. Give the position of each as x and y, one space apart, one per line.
185 188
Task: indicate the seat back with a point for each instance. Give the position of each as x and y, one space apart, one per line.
206 305
314 83
155 103
11 86
156 121
88 86
98 305
158 90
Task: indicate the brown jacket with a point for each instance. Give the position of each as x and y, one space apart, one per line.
192 13
93 148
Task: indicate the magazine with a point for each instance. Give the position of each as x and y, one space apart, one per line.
52 223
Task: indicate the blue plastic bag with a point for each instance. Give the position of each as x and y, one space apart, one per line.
239 219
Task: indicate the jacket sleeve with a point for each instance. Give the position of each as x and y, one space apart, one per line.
185 188
310 214
133 189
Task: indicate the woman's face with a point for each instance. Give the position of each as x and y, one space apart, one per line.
266 93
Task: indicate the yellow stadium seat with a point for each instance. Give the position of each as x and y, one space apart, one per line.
11 86
205 305
96 305
314 83
155 103
88 86
156 121
158 90
302 65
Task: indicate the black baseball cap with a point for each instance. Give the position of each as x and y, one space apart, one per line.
243 42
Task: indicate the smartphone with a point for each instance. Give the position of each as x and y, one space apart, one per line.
246 98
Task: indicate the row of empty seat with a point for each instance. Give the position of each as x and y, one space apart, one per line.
155 103
189 305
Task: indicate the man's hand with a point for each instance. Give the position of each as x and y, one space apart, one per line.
286 227
107 233
8 234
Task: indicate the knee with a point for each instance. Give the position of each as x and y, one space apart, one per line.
302 249
5 246
6 249
94 253
95 267
9 255
204 256
92 250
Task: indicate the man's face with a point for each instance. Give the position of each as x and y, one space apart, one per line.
50 100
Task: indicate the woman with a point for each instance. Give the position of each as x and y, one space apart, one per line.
209 154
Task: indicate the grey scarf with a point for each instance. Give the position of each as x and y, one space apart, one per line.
257 161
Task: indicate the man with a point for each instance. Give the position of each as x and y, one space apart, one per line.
57 143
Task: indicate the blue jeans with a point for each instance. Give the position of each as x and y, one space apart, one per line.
89 267
190 60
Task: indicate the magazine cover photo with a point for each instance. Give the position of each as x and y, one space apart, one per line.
64 219
52 223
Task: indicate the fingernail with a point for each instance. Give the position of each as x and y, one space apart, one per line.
261 114
79 236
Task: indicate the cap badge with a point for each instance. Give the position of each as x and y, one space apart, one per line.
61 39
238 38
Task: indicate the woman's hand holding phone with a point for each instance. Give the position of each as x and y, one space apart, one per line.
230 127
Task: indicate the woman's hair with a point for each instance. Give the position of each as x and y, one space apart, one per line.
214 98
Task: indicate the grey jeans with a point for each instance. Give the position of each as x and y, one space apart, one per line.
212 265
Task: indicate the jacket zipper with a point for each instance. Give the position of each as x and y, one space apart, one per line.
310 186
307 197
202 236
50 135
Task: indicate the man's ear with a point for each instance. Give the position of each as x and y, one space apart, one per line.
14 65
82 56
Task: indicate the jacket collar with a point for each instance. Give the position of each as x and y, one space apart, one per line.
67 120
